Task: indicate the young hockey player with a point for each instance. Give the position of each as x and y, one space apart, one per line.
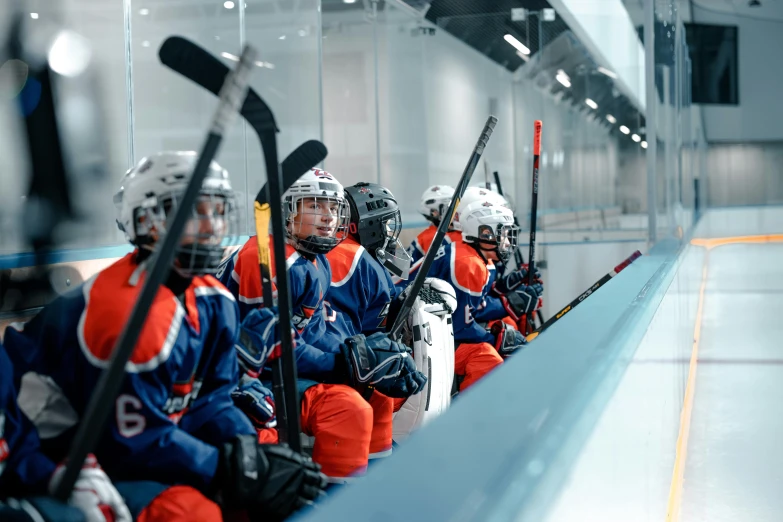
362 290
174 421
333 384
434 202
26 472
488 234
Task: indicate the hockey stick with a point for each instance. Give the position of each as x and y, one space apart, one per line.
201 67
396 330
531 258
91 426
587 293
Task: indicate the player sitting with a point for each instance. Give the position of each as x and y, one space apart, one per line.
175 437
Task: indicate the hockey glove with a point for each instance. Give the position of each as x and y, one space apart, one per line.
256 402
523 300
259 340
380 362
269 481
510 282
94 494
507 339
39 509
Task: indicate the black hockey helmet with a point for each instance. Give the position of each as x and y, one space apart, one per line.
376 225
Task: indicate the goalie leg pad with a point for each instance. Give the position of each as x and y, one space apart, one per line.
432 340
341 422
474 361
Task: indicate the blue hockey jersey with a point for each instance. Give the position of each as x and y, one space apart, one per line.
316 353
361 289
464 268
421 243
174 407
24 469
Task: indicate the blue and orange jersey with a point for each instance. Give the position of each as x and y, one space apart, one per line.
361 290
464 268
308 282
174 409
418 248
24 469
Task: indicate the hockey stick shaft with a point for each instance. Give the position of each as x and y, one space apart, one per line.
396 330
531 258
496 175
584 295
91 426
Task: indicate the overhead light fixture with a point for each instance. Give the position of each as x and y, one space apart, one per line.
549 14
281 37
590 103
229 56
228 4
607 72
144 11
636 138
145 43
349 1
611 119
644 144
34 16
563 78
516 44
624 129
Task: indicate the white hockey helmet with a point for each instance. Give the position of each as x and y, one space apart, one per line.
149 194
316 213
434 202
486 221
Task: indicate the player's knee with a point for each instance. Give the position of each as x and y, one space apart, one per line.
489 354
181 503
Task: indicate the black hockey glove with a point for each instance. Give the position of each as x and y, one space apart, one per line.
512 281
522 301
268 481
380 362
36 509
507 339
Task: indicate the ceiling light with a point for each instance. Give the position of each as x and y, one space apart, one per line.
610 74
281 37
228 4
229 56
516 44
549 14
145 43
563 78
611 119
624 129
636 138
349 1
34 16
144 11
644 144
590 103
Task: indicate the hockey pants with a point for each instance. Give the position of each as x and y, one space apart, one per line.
155 502
472 361
348 429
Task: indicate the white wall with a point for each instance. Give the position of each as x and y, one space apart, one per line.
759 116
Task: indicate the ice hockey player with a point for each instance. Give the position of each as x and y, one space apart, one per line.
362 290
175 434
332 383
488 234
30 476
434 202
510 299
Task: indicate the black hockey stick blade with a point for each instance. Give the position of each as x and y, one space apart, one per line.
102 399
305 157
194 63
407 305
584 295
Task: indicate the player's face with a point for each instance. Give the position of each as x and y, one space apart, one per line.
316 217
208 225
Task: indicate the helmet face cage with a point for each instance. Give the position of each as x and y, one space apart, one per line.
502 239
391 254
214 223
316 224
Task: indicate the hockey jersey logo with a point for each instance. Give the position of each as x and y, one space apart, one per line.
182 396
301 318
